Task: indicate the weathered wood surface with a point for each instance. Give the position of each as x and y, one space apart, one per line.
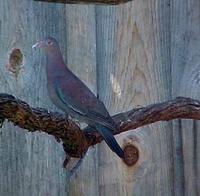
133 54
29 163
185 50
81 58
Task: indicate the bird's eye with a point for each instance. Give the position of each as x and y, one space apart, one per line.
49 42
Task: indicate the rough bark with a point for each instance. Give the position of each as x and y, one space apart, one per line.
77 141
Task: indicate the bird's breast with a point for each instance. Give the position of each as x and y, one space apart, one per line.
55 98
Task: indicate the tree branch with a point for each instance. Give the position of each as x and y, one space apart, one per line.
77 141
105 2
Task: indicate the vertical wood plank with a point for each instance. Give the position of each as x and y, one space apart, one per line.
31 164
185 74
124 53
81 59
133 61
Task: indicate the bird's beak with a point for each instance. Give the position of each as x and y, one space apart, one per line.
38 44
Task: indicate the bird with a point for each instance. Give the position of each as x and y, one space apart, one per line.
72 96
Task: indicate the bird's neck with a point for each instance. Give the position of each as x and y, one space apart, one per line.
54 56
55 65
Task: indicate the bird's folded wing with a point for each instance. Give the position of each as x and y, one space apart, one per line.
85 105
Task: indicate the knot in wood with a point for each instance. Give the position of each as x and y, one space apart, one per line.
131 155
15 62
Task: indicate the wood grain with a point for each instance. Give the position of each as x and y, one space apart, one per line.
185 45
81 59
133 57
29 161
132 54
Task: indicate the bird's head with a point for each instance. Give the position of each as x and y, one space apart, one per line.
48 44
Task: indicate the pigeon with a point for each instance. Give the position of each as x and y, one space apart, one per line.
72 96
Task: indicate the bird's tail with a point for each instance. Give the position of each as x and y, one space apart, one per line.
109 139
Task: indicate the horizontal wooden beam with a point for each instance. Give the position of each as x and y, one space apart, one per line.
104 2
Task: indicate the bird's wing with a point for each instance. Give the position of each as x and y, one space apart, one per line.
77 96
